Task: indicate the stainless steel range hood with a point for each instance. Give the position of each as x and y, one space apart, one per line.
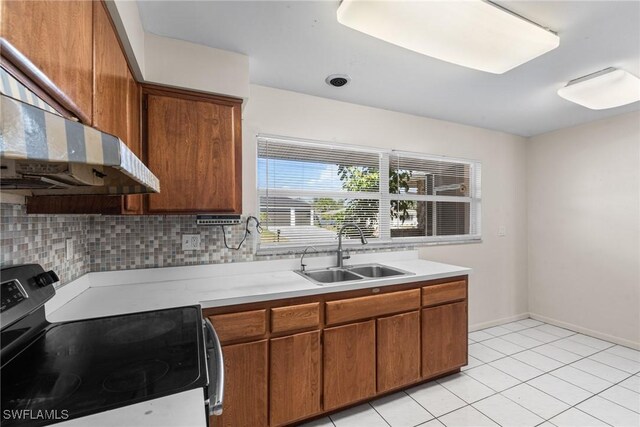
48 154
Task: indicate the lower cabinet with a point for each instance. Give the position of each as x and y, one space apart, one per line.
246 385
349 364
398 350
287 361
444 338
295 377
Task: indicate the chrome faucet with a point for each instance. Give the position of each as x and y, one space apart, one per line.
340 255
303 266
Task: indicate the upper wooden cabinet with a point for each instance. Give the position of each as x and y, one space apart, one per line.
57 37
116 94
193 143
115 109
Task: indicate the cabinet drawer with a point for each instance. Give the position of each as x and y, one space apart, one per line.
295 317
243 325
348 310
445 292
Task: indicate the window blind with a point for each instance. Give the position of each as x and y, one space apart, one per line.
308 191
434 197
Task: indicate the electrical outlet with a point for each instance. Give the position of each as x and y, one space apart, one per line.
190 242
68 249
502 231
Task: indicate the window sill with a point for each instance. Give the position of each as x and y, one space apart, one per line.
358 248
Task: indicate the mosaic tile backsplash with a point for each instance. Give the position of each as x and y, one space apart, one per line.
105 243
41 239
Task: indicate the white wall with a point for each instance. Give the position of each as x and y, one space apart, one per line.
498 287
584 227
178 63
192 66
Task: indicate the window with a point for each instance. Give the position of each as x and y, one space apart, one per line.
308 190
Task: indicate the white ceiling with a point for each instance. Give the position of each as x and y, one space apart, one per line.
294 45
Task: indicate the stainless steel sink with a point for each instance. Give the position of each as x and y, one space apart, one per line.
352 273
375 270
330 275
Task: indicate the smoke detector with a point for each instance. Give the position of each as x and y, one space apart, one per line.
337 80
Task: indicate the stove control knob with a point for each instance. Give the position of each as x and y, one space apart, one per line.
47 278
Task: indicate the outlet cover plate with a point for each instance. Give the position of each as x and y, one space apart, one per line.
190 242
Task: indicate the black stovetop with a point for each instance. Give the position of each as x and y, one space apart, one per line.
90 366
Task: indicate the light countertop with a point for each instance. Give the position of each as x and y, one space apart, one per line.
121 292
130 291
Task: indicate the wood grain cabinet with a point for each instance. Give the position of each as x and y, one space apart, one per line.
193 143
57 37
349 364
294 378
444 338
318 354
114 108
398 350
246 385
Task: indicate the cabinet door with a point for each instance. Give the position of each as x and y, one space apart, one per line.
111 73
193 145
133 203
294 377
245 386
349 364
444 338
398 345
57 37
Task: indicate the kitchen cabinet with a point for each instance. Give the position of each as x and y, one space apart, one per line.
349 364
444 338
294 377
193 143
330 351
115 110
116 94
398 350
57 37
246 385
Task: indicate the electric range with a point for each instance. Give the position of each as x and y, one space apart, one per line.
52 372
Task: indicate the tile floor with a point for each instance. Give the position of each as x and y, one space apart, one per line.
524 373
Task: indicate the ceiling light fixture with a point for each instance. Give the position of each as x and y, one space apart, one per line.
603 89
475 34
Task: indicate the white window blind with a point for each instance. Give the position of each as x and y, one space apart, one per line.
308 190
434 198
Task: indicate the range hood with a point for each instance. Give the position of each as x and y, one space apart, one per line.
46 151
51 155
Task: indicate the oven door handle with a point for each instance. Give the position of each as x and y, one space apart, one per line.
214 355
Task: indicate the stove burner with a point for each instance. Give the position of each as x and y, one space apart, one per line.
135 376
139 330
46 388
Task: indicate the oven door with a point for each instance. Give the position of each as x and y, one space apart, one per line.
215 370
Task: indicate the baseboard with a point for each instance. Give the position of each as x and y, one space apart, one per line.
586 331
497 322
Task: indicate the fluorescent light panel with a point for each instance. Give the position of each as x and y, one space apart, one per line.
473 33
608 88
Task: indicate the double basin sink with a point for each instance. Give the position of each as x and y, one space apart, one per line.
351 273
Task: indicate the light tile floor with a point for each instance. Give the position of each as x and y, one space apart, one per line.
524 373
